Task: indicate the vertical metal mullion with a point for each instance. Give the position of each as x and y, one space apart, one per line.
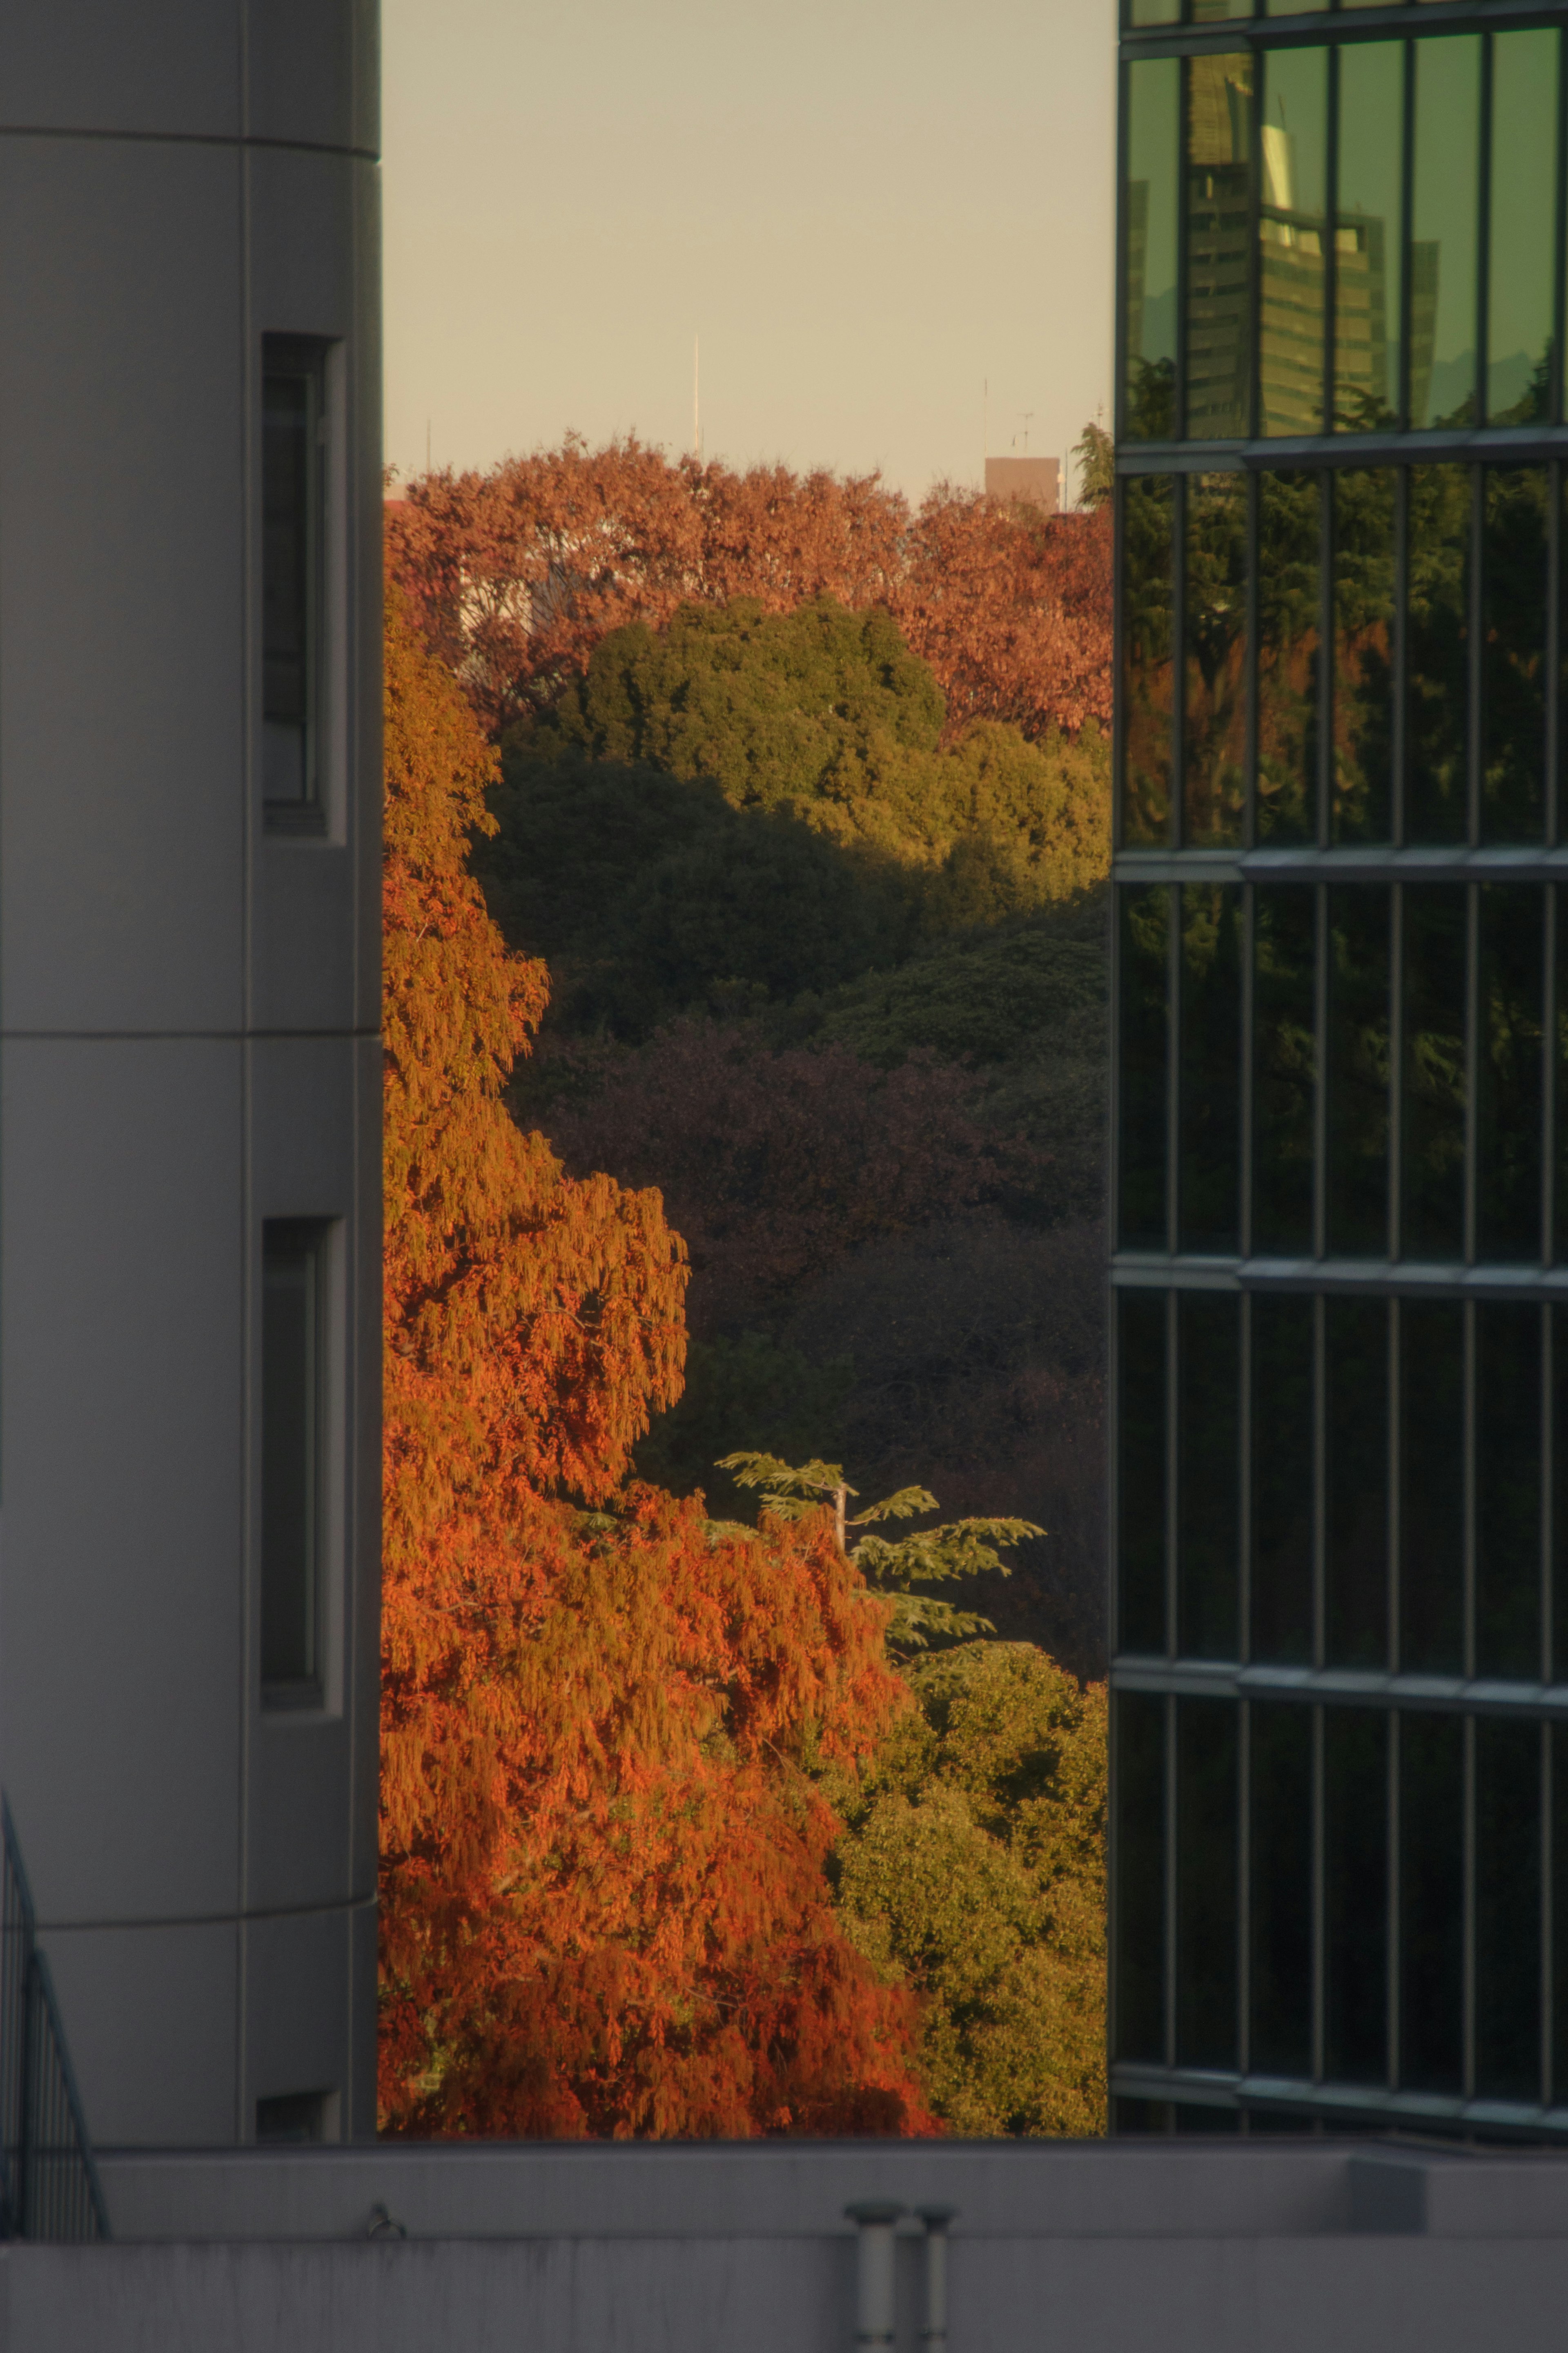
1468 1319
1546 1496
1395 1480
1400 729
1118 654
1169 1889
1554 387
1119 324
1250 666
1323 831
1178 661
1397 915
1474 681
1244 1894
1469 1912
1320 1095
1483 240
1548 1924
1319 1924
1406 203
1183 177
1551 916
1330 241
1390 1937
1472 1063
1172 1472
1248 1059
1320 1482
1253 408
1554 650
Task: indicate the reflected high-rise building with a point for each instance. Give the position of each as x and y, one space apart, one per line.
1340 1850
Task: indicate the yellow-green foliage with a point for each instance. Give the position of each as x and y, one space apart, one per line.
974 1869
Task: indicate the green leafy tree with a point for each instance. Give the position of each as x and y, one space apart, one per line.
894 1566
972 1868
1096 454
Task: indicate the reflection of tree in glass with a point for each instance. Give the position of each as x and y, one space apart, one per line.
1512 1005
1150 400
1143 1065
1364 643
1286 1065
1148 529
1438 556
1513 653
1215 656
1435 1082
1288 580
1210 1093
1359 1066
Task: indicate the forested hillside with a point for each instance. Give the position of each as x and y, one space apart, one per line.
797 840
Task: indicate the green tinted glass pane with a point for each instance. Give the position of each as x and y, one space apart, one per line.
1208 1793
1138 1727
1289 623
1443 230
1219 301
1509 1076
1560 1092
1210 1092
1365 527
1356 1894
1208 1498
1355 1393
1143 1065
1285 1070
1280 1926
1431 1912
1142 1383
1432 1486
1432 1205
1214 675
1367 204
1508 1910
1558 1319
1438 540
1523 211
1508 1490
1156 12
1560 1902
1292 232
1515 588
1147 572
1220 12
1148 204
1283 1387
1358 1072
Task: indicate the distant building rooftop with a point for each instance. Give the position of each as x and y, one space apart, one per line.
1034 480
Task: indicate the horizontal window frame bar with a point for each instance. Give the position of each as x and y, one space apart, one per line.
1208 2088
1502 444
1338 1687
1375 1278
1364 862
1323 29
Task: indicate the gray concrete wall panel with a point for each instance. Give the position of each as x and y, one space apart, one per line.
121 1177
153 2021
122 617
163 66
299 1980
312 74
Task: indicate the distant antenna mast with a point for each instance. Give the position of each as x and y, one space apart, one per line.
1028 416
697 398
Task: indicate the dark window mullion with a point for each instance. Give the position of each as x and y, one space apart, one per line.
1401 649
1483 242
1320 1954
1322 832
1249 806
1170 1885
1391 1932
1554 481
1560 253
1473 1063
1397 913
1468 1912
1474 651
1407 175
1177 821
1395 1485
1468 1426
1243 1882
1331 242
1184 337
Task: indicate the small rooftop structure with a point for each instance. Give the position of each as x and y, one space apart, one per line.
1036 481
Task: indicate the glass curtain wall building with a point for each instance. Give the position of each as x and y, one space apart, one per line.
1341 1270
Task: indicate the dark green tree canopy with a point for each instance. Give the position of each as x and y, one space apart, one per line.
777 708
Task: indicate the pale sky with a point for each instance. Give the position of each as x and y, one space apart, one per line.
865 208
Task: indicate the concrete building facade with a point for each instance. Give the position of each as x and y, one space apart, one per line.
189 1071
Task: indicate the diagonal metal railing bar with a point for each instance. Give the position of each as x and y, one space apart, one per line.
48 2183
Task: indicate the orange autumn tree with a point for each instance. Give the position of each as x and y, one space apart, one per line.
603 1901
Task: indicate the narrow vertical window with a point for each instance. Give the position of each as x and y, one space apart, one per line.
1139 1727
1147 617
1508 1490
1149 248
1143 1066
1515 565
1210 1091
1443 231
1432 1486
1283 1513
1358 1072
1437 640
1356 1894
1140 1470
293 1316
1208 1500
1356 1383
1367 239
1219 234
1281 1891
1361 789
1523 224
1285 1070
1434 1094
1431 1887
1511 988
1508 1910
1208 1824
1289 590
1213 611
293 582
1292 233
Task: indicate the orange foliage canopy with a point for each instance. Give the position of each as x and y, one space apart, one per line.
517 574
603 1901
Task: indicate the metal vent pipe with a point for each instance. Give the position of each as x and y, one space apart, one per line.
875 2301
935 2219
